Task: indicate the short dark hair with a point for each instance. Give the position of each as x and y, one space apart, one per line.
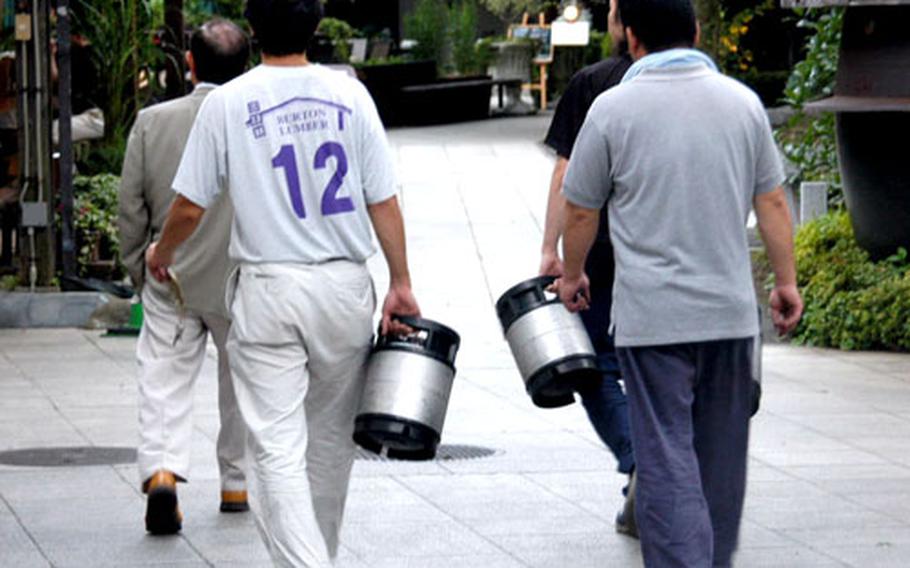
283 27
220 51
660 24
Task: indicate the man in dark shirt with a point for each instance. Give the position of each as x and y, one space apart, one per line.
603 400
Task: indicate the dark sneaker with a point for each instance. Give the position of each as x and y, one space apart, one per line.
625 519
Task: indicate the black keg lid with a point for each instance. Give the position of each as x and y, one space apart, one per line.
403 439
555 384
522 298
429 338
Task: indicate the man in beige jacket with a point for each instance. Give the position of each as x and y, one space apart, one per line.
179 318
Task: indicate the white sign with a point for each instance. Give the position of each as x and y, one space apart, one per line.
570 33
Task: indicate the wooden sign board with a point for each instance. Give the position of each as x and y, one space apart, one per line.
540 34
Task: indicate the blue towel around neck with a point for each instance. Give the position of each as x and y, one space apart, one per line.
676 57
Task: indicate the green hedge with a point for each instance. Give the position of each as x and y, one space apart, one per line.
851 302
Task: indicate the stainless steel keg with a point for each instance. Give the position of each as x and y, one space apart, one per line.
409 379
549 343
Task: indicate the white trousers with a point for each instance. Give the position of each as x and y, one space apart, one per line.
167 373
299 345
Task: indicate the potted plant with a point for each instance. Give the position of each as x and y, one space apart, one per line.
95 225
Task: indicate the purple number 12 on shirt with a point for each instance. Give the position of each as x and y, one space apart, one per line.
286 159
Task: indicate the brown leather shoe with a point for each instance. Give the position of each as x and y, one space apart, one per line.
162 514
234 502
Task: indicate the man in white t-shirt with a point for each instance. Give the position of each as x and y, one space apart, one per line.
304 156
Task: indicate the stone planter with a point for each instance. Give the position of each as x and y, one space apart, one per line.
386 81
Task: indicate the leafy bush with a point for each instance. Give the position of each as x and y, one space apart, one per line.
600 46
9 282
851 302
463 35
95 220
511 10
448 35
427 25
339 32
809 142
120 35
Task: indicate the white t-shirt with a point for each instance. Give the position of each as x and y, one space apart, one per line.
303 152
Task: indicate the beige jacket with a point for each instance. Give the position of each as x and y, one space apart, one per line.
153 154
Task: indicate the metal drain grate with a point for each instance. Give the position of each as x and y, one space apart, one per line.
68 457
445 452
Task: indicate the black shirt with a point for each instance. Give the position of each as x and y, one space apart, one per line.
570 114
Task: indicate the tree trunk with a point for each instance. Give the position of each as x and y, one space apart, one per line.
174 47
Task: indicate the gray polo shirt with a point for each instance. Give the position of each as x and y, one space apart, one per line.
680 154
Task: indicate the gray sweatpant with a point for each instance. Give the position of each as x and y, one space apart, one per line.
689 408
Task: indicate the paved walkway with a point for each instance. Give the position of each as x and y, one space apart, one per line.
829 468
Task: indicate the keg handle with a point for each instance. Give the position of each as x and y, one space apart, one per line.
411 321
540 289
418 336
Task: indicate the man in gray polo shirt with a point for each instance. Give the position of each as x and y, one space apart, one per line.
681 154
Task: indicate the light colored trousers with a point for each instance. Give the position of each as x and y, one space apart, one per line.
299 345
167 373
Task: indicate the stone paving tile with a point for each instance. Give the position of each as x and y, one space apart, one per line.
120 547
228 540
21 486
871 473
758 471
879 556
801 557
870 486
855 536
378 511
68 531
414 539
581 550
472 561
787 458
599 493
545 521
752 535
16 547
846 426
812 513
477 490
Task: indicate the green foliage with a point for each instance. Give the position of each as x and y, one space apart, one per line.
813 77
809 141
850 301
427 26
120 34
485 53
9 282
600 46
339 32
511 10
391 60
448 35
724 32
95 219
463 35
101 157
810 144
196 12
